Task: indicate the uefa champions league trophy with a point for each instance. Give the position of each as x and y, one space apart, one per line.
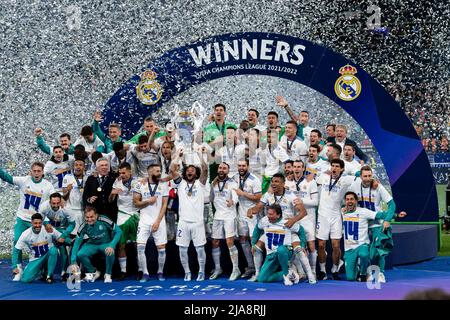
189 124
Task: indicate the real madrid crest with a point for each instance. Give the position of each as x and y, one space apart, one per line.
347 86
149 91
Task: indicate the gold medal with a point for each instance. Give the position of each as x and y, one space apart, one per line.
189 193
99 189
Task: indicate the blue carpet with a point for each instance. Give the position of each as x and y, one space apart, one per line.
401 280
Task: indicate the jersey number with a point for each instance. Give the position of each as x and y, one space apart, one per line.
33 201
60 177
275 239
351 229
39 251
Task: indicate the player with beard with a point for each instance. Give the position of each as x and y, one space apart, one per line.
151 197
191 187
224 198
315 165
372 195
249 193
73 187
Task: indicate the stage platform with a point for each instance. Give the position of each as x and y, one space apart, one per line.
401 280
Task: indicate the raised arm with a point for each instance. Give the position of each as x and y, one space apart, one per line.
96 127
5 176
41 142
282 102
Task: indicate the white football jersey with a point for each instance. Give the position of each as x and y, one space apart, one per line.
223 191
143 160
286 202
317 168
296 148
75 200
371 199
125 197
161 190
32 195
57 171
229 156
307 192
332 193
277 234
351 167
90 146
191 198
39 243
250 184
273 159
356 227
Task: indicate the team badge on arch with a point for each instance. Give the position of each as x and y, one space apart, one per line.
347 86
149 91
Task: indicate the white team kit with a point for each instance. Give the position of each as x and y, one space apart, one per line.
331 195
90 147
143 160
351 167
309 194
191 226
272 158
252 184
74 205
255 165
58 219
371 199
224 222
229 155
125 199
32 195
295 148
277 234
115 162
37 243
317 168
150 213
57 171
286 202
356 227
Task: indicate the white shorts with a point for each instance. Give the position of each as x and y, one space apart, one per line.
78 216
246 226
190 231
309 225
144 232
329 227
223 229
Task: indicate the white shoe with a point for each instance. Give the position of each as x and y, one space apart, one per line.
215 274
293 276
18 276
287 282
187 276
335 269
381 278
312 280
200 276
254 278
108 278
235 275
96 275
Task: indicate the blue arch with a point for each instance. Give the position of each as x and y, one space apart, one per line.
304 62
